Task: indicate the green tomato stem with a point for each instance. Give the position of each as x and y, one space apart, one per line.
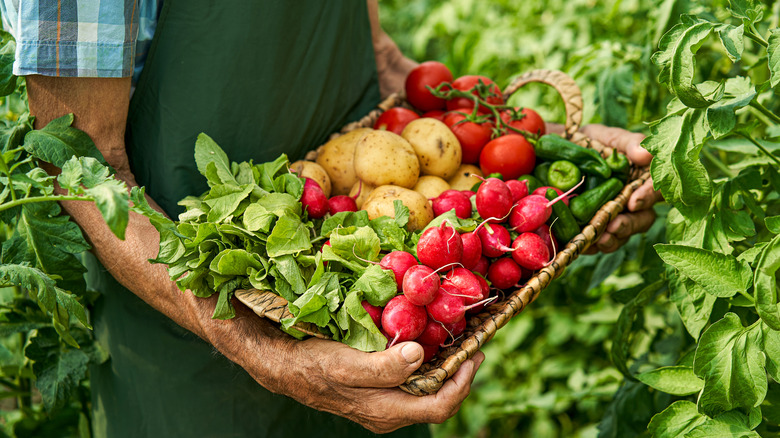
717 163
765 111
32 200
762 148
755 35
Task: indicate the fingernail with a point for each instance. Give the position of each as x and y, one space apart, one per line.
411 353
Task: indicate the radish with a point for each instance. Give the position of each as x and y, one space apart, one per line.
482 266
494 200
399 262
308 182
434 334
542 191
533 210
466 283
485 294
314 201
456 328
429 352
504 273
495 240
403 320
448 307
337 204
439 247
472 250
530 251
420 285
519 189
468 193
375 312
544 232
452 199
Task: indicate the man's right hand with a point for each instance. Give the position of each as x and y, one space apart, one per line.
362 387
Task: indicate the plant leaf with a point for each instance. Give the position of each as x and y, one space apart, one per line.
683 63
773 224
58 141
730 360
719 274
620 340
289 236
377 284
676 380
730 424
732 39
773 53
765 283
738 93
749 10
676 420
692 302
57 371
212 162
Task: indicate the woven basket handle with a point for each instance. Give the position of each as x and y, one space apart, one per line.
564 85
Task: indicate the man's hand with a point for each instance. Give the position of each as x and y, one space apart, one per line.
360 386
640 215
391 65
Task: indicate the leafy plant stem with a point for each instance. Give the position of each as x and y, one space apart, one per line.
717 163
762 148
763 110
754 35
747 296
31 200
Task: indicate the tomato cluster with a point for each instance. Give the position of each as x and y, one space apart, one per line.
492 134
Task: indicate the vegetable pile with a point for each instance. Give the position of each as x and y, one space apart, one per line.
393 234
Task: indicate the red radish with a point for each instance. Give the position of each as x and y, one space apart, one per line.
485 294
472 250
482 266
534 210
504 273
420 285
399 262
468 193
448 307
456 328
542 191
519 189
429 352
375 312
308 182
495 240
439 247
434 334
530 251
466 283
314 201
544 232
337 204
494 200
403 320
452 199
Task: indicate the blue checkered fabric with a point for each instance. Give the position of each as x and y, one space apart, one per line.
80 38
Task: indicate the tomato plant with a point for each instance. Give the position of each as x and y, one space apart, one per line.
482 87
472 136
428 74
509 155
395 119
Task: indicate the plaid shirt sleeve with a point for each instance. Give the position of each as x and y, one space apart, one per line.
79 38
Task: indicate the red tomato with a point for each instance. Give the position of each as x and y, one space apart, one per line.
431 74
466 83
472 136
509 155
435 114
530 122
395 119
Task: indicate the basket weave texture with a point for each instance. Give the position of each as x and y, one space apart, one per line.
483 326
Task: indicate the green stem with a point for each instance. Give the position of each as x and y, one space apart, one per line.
717 163
762 148
31 200
763 110
755 35
748 296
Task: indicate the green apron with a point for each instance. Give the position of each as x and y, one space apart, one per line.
261 78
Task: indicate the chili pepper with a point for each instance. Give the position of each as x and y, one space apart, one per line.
591 182
541 172
563 174
553 147
619 165
533 182
565 227
585 206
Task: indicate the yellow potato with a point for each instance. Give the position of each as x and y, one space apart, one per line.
382 157
464 178
435 145
364 189
310 169
430 186
336 157
380 203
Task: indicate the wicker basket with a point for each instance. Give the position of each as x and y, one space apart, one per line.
481 328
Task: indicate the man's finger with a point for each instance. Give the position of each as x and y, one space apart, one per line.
627 224
383 369
624 141
445 403
644 197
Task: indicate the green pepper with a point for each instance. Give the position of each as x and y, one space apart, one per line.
585 206
591 182
541 172
565 226
553 147
619 165
563 174
533 182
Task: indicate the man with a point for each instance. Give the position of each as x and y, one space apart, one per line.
261 79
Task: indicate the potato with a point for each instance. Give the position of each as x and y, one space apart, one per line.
310 169
464 178
380 203
436 146
430 186
336 157
364 189
382 158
